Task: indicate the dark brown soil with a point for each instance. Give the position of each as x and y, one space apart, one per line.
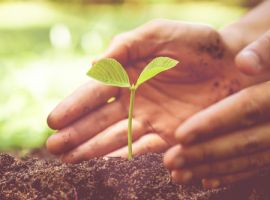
143 177
41 153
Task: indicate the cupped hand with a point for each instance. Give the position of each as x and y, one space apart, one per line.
90 127
229 141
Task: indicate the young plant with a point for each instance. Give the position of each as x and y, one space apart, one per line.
110 72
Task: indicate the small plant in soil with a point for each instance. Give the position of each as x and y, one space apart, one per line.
110 72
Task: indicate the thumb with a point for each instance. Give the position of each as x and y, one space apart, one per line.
255 58
127 47
136 44
118 49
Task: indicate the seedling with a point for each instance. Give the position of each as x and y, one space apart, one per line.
110 72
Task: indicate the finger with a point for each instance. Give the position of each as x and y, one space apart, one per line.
136 44
83 100
231 145
230 166
86 127
119 49
246 108
150 142
222 181
107 141
255 58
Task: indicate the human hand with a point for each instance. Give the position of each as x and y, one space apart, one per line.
222 159
229 141
89 127
255 58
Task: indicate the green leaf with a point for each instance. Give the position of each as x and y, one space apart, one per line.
110 72
157 65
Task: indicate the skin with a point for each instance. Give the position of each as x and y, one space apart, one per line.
229 141
178 99
234 146
254 59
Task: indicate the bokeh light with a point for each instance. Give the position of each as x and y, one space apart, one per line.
60 36
92 42
46 47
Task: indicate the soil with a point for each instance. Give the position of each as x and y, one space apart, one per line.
143 177
41 153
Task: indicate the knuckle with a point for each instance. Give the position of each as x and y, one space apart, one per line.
147 146
74 130
264 54
229 166
156 25
210 31
212 170
264 169
256 160
146 143
95 91
252 109
126 41
266 40
100 120
121 136
157 22
219 168
122 38
90 153
118 37
249 145
124 107
207 154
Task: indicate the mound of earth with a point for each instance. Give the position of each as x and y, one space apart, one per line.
143 177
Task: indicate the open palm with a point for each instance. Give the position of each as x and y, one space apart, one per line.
90 127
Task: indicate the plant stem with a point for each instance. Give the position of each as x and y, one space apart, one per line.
132 95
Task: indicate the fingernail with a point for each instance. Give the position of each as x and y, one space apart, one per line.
252 59
178 162
215 184
187 176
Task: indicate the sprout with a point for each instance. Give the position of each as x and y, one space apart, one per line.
110 72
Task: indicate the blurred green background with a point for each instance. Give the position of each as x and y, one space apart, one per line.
46 47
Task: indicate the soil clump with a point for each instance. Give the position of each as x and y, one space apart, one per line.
142 178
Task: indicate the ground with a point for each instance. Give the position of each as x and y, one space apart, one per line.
143 177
